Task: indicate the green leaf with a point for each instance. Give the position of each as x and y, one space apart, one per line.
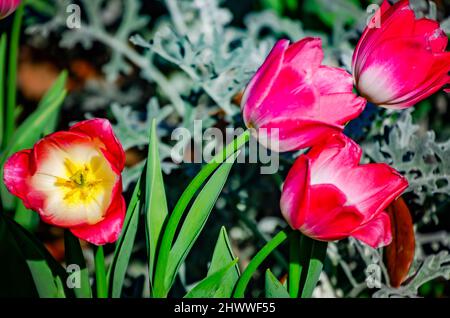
318 254
48 276
160 287
275 5
196 218
223 255
336 11
33 127
274 288
155 200
16 280
295 263
2 84
74 256
211 285
124 246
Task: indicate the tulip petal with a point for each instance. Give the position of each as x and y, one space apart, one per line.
385 78
438 77
292 134
291 94
328 217
100 130
261 83
48 154
16 174
305 55
330 108
331 80
107 230
377 232
295 196
371 187
332 158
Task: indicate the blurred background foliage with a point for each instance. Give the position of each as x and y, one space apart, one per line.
181 60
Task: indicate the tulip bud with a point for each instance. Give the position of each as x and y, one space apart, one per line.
403 61
329 196
293 101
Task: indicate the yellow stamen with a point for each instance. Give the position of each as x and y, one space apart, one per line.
82 182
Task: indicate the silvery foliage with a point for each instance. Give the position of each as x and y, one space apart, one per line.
217 58
432 267
416 154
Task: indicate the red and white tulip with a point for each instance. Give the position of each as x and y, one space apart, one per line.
294 102
329 196
73 180
403 61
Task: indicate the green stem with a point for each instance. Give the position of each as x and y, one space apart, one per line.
295 267
175 217
100 273
2 84
305 256
253 227
318 254
246 276
12 79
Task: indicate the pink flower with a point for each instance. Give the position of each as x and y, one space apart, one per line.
293 95
403 61
7 7
329 196
73 180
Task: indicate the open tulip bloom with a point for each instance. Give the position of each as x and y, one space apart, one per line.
73 180
402 61
329 196
293 101
7 7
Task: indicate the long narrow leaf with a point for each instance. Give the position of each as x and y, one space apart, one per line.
176 216
48 276
318 254
117 270
32 128
223 254
74 256
13 58
16 280
210 286
196 219
155 200
274 288
2 85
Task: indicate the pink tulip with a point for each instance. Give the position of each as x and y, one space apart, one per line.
73 180
329 196
403 61
7 7
295 100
